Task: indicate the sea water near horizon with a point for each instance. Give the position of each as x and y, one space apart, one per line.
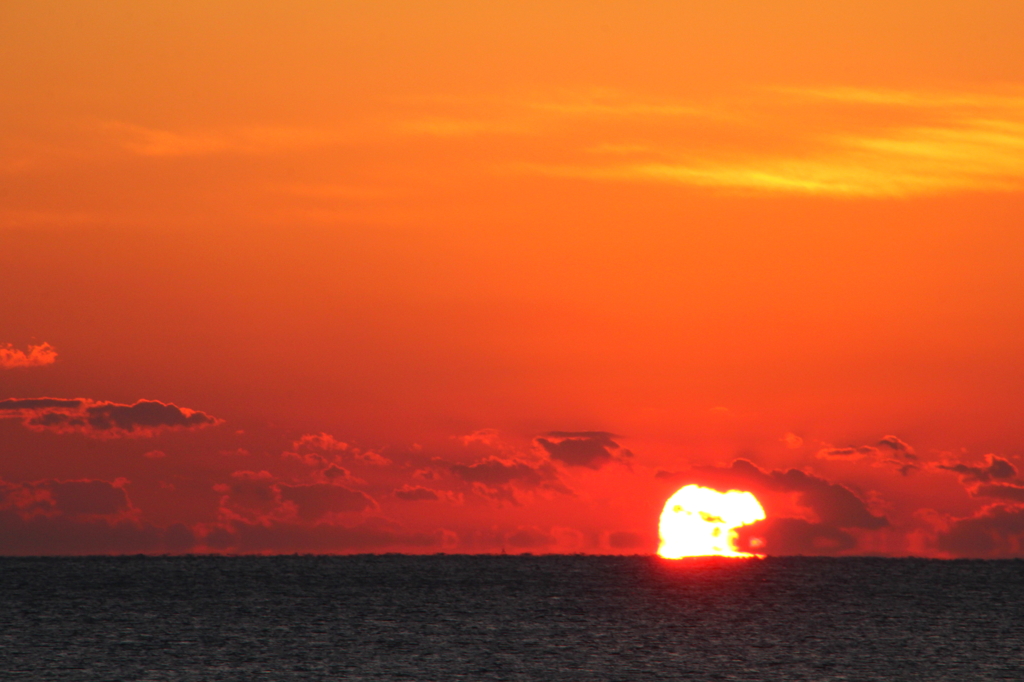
459 617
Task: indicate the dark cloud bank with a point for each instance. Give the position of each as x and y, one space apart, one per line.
837 509
591 449
144 418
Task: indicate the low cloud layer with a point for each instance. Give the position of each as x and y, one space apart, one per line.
86 516
74 498
259 497
96 517
995 531
834 508
222 490
789 536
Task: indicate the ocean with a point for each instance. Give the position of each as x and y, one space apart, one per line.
457 617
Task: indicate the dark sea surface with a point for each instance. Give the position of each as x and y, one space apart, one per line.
509 618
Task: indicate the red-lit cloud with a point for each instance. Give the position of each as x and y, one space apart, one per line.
37 356
417 493
325 451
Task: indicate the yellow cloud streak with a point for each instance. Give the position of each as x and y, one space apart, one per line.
962 141
983 151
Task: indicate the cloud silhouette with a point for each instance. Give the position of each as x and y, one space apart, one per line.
317 500
995 531
89 497
66 536
1001 491
789 536
499 479
496 472
259 497
897 446
145 418
890 450
71 498
73 517
592 449
836 508
847 453
832 503
994 467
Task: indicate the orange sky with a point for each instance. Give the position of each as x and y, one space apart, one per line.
459 276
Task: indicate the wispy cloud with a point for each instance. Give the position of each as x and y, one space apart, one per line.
835 142
904 144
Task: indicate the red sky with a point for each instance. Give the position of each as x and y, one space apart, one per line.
462 276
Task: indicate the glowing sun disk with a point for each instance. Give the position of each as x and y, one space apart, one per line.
698 521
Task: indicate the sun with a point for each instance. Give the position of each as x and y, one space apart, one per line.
698 521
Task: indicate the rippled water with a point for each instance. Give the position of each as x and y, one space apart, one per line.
510 618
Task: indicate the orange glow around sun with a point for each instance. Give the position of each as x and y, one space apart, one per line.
698 521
